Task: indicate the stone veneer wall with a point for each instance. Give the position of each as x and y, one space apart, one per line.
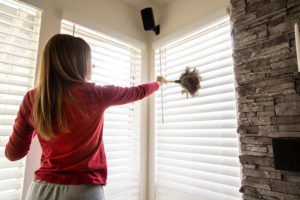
268 106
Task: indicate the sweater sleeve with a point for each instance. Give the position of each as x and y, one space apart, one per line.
21 137
114 95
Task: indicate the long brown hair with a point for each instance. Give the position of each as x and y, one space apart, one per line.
65 60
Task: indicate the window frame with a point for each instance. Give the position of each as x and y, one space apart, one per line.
135 47
177 36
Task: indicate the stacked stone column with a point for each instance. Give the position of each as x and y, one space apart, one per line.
265 61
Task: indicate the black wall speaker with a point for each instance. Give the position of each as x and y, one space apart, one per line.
148 21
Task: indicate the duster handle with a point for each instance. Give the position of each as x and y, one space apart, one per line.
176 81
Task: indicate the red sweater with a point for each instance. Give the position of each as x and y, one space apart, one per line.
77 157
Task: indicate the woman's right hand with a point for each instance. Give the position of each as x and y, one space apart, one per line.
161 80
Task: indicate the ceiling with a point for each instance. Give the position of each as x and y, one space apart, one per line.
140 4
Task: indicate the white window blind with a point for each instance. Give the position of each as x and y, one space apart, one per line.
196 148
116 64
19 36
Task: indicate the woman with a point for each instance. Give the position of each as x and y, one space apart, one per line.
66 113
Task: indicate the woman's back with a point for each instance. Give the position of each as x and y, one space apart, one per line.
77 156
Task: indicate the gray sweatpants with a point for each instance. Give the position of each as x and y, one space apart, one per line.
41 190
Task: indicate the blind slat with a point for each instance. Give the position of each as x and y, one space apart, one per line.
17 45
202 132
230 123
4 163
9 81
10 194
15 73
219 114
198 62
209 177
17 55
10 90
18 36
221 150
17 64
10 184
225 142
120 187
204 185
3 24
171 189
193 108
19 18
207 167
13 173
197 157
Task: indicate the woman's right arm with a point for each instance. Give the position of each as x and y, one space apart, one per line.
22 134
114 95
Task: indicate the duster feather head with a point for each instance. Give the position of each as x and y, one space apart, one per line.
190 81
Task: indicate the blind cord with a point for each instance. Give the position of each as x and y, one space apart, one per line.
73 29
161 91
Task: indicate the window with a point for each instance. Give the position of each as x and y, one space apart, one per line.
196 148
116 64
19 36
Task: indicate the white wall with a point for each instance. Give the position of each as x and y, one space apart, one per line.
180 13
